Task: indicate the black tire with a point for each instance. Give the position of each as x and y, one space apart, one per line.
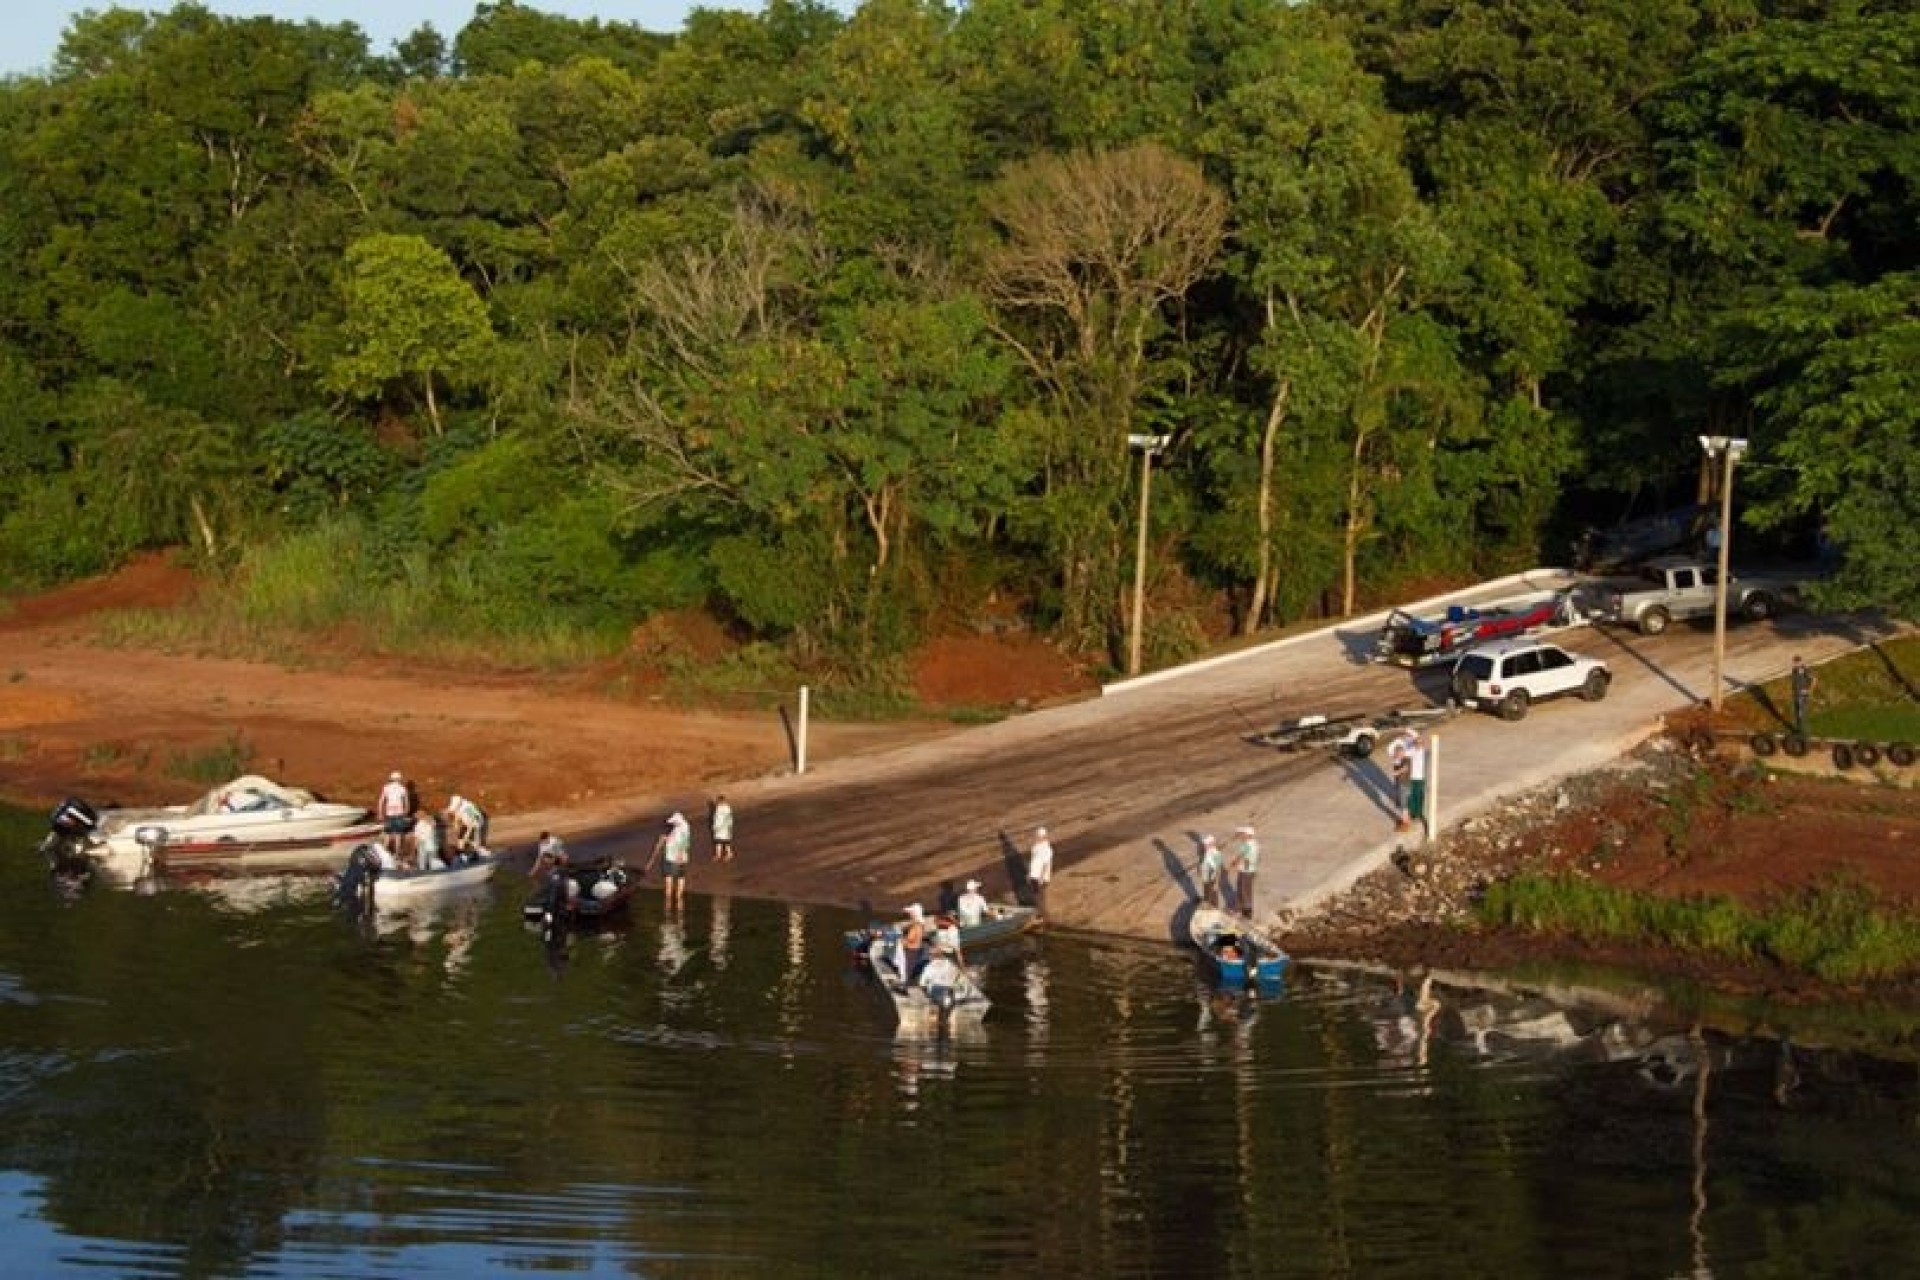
1595 686
1514 705
1794 745
1866 754
1843 755
1900 753
1363 746
1763 745
1654 621
1758 607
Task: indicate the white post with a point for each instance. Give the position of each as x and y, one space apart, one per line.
800 736
1432 815
1140 566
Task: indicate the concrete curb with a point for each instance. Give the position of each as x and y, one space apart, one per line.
1362 621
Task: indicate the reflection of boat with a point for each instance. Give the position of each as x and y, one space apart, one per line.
1000 922
368 884
1239 954
250 823
579 894
913 1004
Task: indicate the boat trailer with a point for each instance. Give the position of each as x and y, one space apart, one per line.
1353 735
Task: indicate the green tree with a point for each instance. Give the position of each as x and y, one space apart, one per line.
409 320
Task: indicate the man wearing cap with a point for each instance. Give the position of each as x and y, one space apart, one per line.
1212 864
972 906
1400 763
394 808
672 851
1246 863
1039 868
466 826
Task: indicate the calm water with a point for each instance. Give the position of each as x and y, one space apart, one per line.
200 1087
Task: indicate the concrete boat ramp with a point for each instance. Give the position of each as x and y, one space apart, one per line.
1128 782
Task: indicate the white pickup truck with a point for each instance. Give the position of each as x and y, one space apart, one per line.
1672 588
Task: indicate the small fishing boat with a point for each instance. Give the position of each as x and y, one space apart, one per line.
1237 952
998 923
575 895
249 824
370 884
913 1004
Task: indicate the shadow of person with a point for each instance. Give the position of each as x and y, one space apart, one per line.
1014 863
948 901
1371 781
1180 872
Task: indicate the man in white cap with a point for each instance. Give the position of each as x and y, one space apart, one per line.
1400 764
672 850
1246 864
1039 868
1212 865
972 905
394 809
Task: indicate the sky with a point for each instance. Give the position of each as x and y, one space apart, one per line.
30 30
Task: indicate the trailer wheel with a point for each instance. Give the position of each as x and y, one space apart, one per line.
1654 621
1759 607
1363 745
1595 687
1866 754
1794 745
1900 753
1843 755
1514 705
1763 744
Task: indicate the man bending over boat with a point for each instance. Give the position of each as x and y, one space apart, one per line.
466 826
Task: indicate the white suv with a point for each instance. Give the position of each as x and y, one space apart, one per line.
1510 676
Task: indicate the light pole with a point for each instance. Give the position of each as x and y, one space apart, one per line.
1727 448
1148 445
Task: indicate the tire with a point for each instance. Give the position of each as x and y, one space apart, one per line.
1794 745
1843 755
1900 753
1514 705
1866 754
1654 621
1595 687
1363 746
1758 607
1763 745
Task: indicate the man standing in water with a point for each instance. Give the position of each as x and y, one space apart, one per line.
1039 869
722 826
671 851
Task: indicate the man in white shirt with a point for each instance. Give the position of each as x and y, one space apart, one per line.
972 905
1039 868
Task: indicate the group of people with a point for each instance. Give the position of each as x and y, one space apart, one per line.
422 839
1242 859
927 953
673 848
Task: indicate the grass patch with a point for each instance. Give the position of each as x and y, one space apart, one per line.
112 755
13 748
1838 932
1872 695
220 763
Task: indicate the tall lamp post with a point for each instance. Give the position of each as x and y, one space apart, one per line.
1148 445
1727 449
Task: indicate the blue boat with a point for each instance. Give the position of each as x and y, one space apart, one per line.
1237 952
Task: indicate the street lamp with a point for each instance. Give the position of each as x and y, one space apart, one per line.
1727 448
1148 445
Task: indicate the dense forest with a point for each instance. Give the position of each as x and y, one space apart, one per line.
839 326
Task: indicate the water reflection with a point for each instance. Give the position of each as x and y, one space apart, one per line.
188 1087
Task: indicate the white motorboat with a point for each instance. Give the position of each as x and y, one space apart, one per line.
366 882
251 823
913 1004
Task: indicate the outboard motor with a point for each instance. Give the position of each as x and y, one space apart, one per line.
354 889
72 822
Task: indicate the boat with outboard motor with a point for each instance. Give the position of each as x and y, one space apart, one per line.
998 922
575 894
373 879
1237 952
921 1001
249 824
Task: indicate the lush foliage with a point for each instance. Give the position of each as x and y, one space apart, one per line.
807 317
1838 932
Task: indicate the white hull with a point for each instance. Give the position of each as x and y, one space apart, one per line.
248 824
403 888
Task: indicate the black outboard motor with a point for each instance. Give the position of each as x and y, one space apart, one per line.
354 890
73 822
